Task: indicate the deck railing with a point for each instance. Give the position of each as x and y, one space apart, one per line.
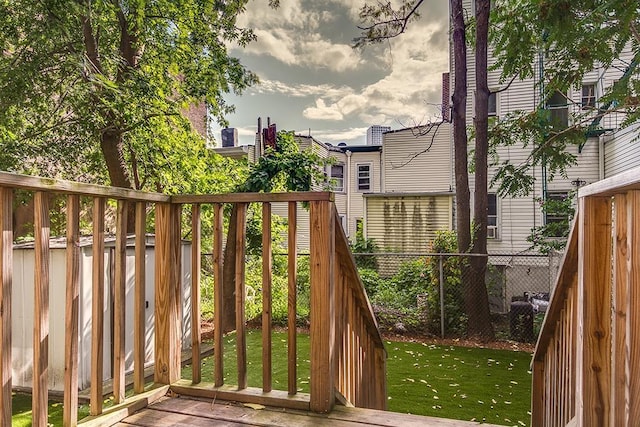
347 353
586 367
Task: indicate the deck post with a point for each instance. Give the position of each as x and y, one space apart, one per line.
593 382
167 298
322 307
6 265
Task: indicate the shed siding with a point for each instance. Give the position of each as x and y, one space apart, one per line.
408 223
622 152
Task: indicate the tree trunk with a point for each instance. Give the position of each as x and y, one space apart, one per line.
113 151
459 114
229 275
476 295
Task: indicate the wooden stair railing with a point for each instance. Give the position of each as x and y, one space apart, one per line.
347 352
586 366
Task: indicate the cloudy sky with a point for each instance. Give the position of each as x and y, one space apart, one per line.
311 78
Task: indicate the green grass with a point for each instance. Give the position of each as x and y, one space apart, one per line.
22 411
441 381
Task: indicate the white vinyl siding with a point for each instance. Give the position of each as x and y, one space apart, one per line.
410 167
623 151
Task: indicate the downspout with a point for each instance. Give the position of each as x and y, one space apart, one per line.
347 187
601 157
381 172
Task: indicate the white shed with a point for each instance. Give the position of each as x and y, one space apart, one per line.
23 302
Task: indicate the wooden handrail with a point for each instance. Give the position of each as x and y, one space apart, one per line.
586 366
347 348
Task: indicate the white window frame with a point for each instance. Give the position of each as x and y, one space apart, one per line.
589 101
496 217
369 176
339 181
493 113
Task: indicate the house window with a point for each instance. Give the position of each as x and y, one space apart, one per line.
364 177
559 109
493 104
588 96
492 216
554 213
337 175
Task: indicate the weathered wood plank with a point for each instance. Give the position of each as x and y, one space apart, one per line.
241 337
119 412
622 253
218 294
97 306
40 381
267 264
139 313
322 229
594 311
119 302
632 402
35 183
247 395
6 279
196 332
301 196
292 298
72 298
167 297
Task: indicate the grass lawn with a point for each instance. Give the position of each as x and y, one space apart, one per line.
441 381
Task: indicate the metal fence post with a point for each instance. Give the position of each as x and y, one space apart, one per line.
441 295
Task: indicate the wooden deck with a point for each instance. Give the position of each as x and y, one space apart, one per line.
184 411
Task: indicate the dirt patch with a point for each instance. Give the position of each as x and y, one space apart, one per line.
208 330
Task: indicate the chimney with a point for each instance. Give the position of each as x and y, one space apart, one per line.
446 96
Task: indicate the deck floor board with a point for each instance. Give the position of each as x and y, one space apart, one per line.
185 411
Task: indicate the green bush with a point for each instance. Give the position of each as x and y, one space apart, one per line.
455 317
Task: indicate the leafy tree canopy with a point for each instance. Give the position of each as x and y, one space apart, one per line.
92 83
562 40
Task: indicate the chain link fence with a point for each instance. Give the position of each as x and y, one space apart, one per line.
425 293
422 293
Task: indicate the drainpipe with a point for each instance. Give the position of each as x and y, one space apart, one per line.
381 170
601 157
347 186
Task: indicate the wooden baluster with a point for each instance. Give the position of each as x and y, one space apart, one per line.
218 346
632 326
266 297
167 298
625 367
40 382
322 310
6 270
338 279
139 313
292 275
241 334
574 343
196 337
119 303
537 393
97 306
70 407
594 311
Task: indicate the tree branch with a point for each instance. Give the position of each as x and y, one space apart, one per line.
393 23
430 127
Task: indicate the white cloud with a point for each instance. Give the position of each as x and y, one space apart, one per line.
326 91
338 135
322 111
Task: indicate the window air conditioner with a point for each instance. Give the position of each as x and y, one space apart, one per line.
492 232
